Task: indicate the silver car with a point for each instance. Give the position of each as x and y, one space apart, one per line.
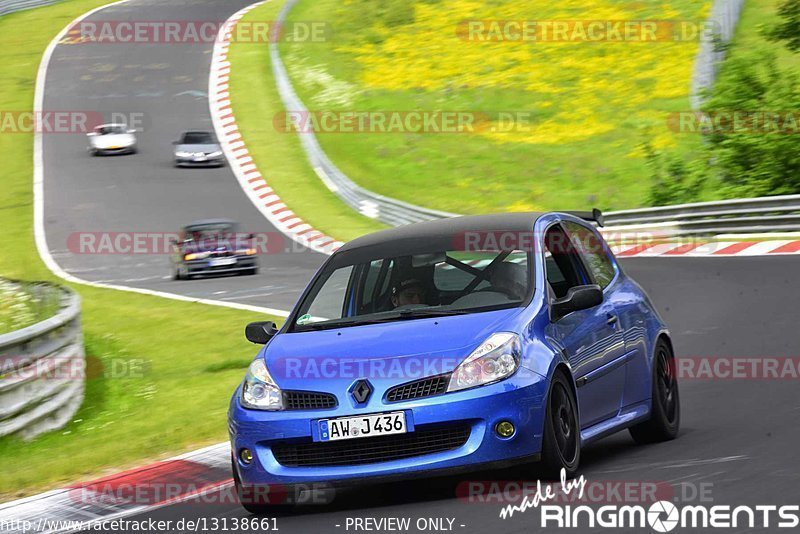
198 149
108 139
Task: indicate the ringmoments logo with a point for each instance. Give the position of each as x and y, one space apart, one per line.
660 516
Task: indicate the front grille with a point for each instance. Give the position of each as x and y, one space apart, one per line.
427 387
308 400
371 450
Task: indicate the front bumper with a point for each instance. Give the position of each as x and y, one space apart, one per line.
114 151
192 162
203 267
519 399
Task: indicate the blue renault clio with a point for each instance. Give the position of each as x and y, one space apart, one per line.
443 346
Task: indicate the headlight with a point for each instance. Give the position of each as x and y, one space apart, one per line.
183 154
495 359
215 154
246 252
259 391
195 256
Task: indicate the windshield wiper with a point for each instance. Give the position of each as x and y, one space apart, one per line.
414 313
427 312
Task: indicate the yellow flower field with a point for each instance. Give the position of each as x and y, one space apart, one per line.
586 103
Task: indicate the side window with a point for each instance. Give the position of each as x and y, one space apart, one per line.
562 267
593 251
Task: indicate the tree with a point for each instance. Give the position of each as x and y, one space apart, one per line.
788 30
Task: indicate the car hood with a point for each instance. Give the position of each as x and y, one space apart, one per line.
205 149
106 141
386 354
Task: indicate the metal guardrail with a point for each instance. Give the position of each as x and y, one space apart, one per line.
11 6
746 215
42 369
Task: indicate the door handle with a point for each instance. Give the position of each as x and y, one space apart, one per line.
612 320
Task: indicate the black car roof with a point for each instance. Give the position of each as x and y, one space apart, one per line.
209 222
439 234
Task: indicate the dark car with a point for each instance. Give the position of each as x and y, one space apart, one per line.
213 246
198 149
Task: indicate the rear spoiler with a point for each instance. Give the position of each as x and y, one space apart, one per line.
595 216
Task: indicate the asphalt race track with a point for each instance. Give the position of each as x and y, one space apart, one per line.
739 437
164 86
738 441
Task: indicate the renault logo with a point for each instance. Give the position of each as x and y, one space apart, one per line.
361 391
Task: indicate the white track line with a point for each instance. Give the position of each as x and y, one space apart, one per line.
38 196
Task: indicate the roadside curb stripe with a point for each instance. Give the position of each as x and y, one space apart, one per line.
250 178
708 248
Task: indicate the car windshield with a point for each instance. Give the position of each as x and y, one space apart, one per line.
197 138
447 282
111 129
209 231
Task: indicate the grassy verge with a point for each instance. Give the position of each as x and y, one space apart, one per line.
163 370
591 105
279 155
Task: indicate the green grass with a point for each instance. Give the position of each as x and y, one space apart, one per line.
464 173
279 155
192 355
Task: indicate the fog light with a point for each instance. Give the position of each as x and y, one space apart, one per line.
245 456
504 429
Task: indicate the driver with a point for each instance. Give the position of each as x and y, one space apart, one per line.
408 291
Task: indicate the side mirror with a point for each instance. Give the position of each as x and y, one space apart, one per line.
251 236
176 142
577 298
260 332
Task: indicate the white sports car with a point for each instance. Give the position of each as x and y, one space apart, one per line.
111 139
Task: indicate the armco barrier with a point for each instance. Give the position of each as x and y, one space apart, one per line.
745 215
10 6
42 370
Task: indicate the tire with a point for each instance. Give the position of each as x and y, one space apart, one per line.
182 273
175 274
665 413
252 271
561 442
244 497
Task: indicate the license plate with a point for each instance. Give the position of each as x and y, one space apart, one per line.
362 426
200 158
219 262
